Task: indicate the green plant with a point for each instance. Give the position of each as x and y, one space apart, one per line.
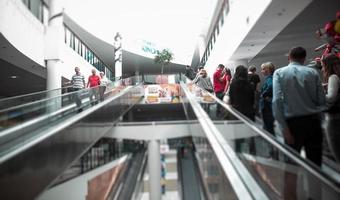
163 57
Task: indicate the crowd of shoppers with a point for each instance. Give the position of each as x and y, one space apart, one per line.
294 95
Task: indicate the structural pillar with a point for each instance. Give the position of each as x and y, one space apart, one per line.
53 50
118 54
154 166
54 45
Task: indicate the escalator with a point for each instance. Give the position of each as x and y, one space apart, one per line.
238 160
234 158
190 182
48 135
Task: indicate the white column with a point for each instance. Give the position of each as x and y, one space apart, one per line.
53 77
53 51
118 69
118 44
154 166
54 44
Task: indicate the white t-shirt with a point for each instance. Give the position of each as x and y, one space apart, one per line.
333 89
104 81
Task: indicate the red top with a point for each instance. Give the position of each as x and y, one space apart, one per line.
94 80
218 84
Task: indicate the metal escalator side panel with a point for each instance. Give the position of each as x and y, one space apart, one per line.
39 161
277 169
31 97
228 161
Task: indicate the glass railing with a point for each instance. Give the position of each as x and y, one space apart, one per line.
217 166
275 169
23 121
8 103
52 141
103 152
46 102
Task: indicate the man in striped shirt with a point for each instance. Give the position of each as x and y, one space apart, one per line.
78 83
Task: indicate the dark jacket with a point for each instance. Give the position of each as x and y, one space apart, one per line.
241 96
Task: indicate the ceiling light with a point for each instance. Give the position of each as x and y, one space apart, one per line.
13 76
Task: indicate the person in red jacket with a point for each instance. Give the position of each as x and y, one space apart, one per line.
220 83
93 83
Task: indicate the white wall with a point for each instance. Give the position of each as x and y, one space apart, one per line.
28 35
72 59
76 189
235 30
22 29
242 35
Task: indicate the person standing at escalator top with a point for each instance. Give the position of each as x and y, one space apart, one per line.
189 72
331 73
220 83
266 96
254 80
78 83
93 82
298 100
103 84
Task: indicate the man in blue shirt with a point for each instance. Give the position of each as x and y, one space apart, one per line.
298 99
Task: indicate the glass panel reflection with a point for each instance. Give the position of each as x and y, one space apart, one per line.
215 181
279 171
25 123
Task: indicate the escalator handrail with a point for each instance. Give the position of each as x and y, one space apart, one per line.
32 94
140 177
42 100
45 91
47 99
229 162
59 126
292 154
180 176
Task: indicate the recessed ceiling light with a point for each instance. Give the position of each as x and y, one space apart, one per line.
13 76
252 45
4 47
